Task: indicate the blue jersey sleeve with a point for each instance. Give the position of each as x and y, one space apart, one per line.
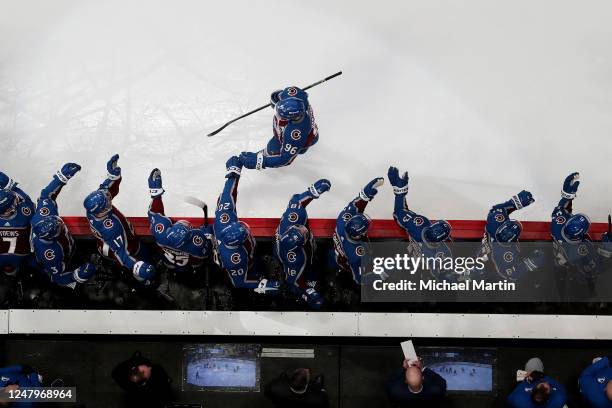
519 398
158 222
558 397
590 388
226 204
408 220
293 139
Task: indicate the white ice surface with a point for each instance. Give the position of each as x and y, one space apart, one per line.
477 99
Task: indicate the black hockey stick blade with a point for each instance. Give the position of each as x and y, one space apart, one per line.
214 132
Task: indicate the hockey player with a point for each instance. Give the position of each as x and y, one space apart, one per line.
114 233
184 247
295 245
16 210
52 243
427 238
350 236
294 130
234 244
501 239
17 377
572 244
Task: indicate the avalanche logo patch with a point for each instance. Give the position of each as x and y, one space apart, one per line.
44 211
560 220
508 256
26 211
418 221
108 223
500 217
583 250
291 256
197 240
296 134
292 91
293 217
360 250
159 228
346 217
235 258
49 255
224 218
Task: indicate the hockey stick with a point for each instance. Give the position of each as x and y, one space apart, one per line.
269 104
200 204
609 224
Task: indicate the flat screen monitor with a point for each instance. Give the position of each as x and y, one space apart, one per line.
221 367
466 370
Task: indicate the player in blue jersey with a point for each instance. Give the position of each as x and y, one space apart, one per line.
501 239
294 245
595 383
18 377
294 131
427 238
114 233
16 210
234 244
572 244
351 234
52 243
184 247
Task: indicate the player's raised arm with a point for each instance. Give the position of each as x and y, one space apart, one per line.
158 222
568 192
517 202
313 192
113 177
367 193
401 213
229 195
59 180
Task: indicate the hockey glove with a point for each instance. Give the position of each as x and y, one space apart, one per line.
233 167
400 184
113 170
155 183
570 186
319 187
522 199
369 191
67 172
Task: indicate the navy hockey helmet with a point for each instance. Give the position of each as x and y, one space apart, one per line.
437 231
234 234
358 226
48 228
509 231
98 202
179 234
576 227
143 271
295 236
8 203
292 109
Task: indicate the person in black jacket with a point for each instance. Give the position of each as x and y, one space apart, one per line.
297 390
146 384
413 386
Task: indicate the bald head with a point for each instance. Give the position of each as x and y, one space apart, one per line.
414 378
